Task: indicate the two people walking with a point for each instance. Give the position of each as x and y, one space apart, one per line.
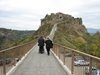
42 42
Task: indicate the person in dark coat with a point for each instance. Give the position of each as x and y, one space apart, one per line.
49 45
41 44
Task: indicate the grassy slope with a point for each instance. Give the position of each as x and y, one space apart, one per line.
9 38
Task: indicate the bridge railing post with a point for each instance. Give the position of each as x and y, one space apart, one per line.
4 64
64 56
90 66
72 64
54 48
59 51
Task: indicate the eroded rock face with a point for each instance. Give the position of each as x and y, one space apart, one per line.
67 21
60 17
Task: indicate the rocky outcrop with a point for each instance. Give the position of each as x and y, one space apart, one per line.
69 29
67 21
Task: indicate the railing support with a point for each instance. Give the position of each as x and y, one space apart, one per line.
14 61
59 52
90 67
4 64
56 50
4 68
64 56
72 66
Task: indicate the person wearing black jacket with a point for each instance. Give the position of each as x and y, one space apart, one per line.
41 44
49 45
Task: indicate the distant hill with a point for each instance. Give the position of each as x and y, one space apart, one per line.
9 38
92 30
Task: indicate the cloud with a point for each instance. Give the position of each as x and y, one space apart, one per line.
26 14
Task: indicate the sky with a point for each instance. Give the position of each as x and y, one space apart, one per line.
27 14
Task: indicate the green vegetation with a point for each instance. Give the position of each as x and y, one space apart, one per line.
93 44
87 43
9 38
60 38
44 30
73 34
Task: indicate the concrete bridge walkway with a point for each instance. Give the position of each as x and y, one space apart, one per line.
39 64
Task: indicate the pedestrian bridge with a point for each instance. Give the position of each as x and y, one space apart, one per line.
25 60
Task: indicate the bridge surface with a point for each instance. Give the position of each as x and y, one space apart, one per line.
39 64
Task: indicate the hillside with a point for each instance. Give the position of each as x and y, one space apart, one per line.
68 27
9 38
71 32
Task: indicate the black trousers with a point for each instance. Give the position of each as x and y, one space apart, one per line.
41 49
48 51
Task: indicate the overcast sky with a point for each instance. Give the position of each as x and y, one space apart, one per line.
26 14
